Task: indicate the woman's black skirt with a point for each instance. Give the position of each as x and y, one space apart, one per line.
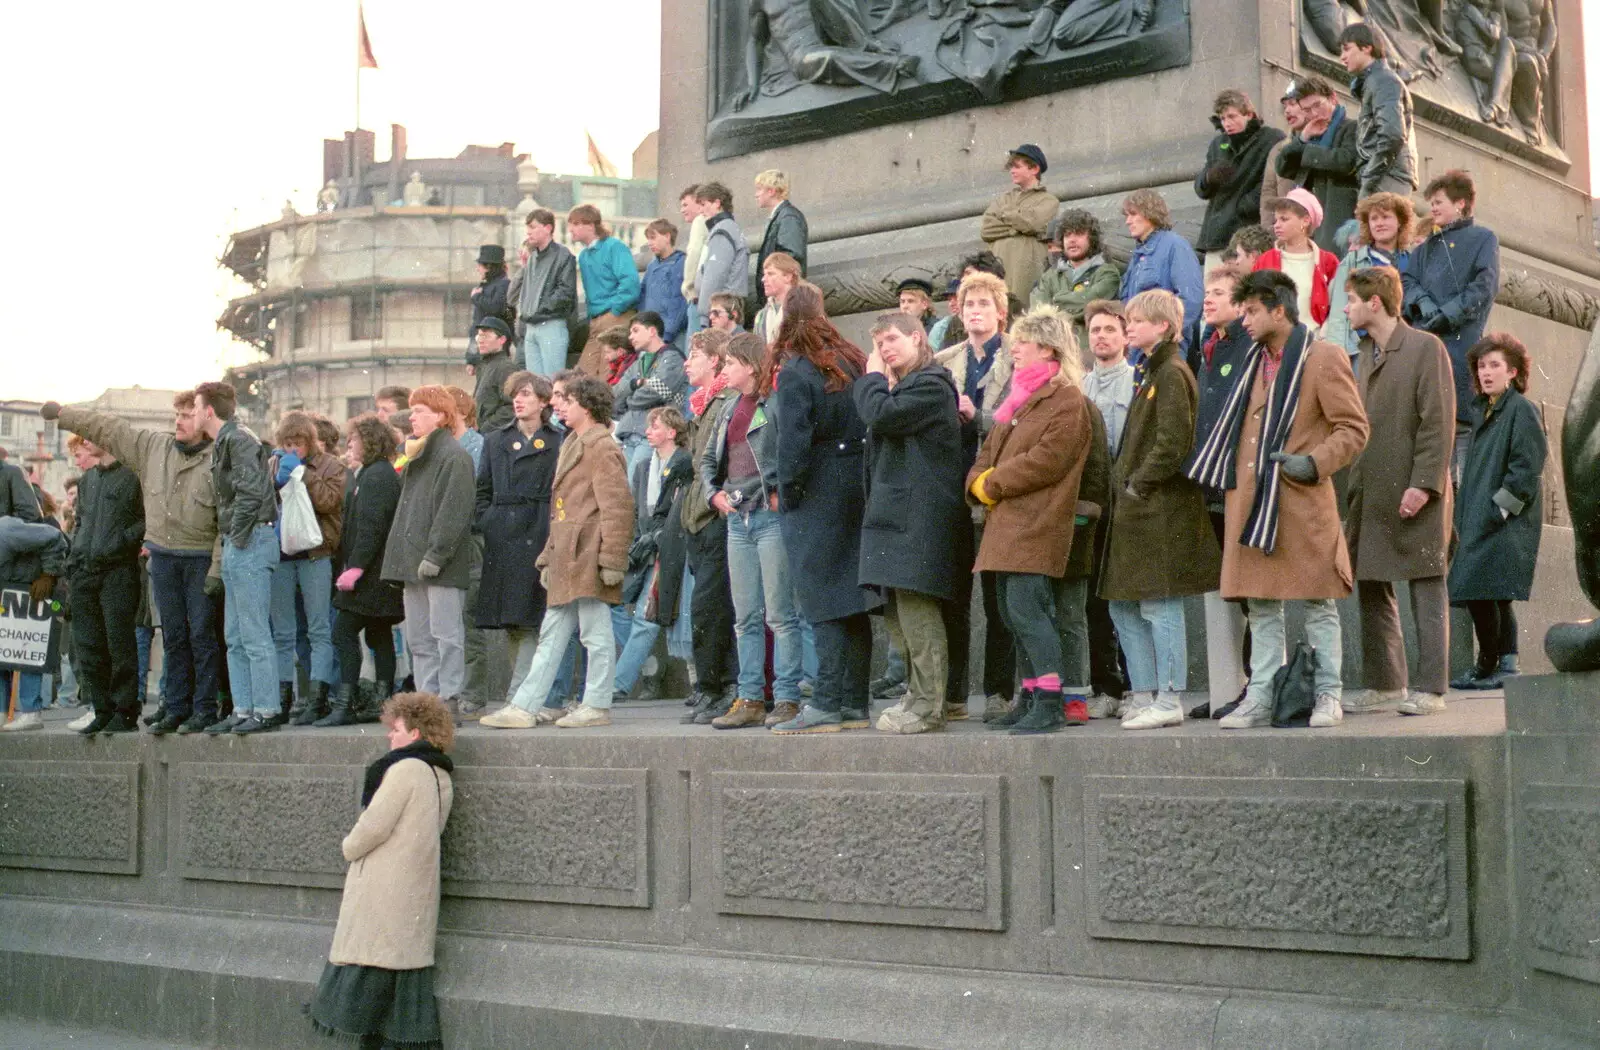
378 1007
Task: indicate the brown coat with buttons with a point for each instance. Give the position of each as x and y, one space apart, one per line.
1310 559
591 519
389 915
1038 459
1161 543
1409 394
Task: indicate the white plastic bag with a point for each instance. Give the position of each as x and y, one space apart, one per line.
297 519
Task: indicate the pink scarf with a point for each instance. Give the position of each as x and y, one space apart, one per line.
1024 382
701 397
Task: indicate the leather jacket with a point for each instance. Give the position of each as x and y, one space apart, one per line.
1385 141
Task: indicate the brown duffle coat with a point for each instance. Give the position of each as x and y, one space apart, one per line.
1038 460
1409 394
1161 543
1311 559
389 914
591 519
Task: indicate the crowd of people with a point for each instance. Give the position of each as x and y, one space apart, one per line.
1301 405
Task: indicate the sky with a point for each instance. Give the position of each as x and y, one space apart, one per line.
142 134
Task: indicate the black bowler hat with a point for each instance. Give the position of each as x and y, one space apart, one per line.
1028 151
491 255
915 284
494 324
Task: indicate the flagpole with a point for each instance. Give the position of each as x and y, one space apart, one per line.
360 27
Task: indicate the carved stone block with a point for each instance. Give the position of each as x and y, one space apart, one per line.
577 836
1559 853
1372 867
276 824
823 69
70 816
886 848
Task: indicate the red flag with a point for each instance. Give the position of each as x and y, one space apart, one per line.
364 56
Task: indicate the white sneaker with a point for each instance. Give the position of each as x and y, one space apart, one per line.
1103 706
1327 712
24 720
1249 715
82 721
509 717
1162 711
1133 703
1414 704
585 717
1366 701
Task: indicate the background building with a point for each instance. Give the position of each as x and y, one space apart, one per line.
374 289
40 447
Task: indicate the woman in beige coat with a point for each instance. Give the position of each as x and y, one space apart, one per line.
378 983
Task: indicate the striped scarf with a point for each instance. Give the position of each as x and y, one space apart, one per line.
1215 464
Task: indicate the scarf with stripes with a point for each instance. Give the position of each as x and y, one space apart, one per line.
1215 465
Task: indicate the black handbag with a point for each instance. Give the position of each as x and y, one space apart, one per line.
1294 689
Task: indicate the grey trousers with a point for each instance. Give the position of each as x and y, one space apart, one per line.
916 625
434 634
1383 647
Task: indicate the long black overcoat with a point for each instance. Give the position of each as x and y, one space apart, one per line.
1497 552
821 444
370 500
512 511
916 531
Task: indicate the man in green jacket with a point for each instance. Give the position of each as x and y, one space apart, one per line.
180 520
1079 276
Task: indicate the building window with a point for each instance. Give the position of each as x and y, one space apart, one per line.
51 437
302 325
465 196
366 316
457 317
8 425
354 406
602 195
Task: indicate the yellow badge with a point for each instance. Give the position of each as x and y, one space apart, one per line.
1151 394
1227 368
516 446
538 443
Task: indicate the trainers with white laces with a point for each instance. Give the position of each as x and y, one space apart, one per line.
1418 703
1162 711
1366 701
1103 706
1327 712
509 717
24 720
585 717
82 721
1254 712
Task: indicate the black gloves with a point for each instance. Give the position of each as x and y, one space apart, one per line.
1297 468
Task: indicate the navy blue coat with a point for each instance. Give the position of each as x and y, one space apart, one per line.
1497 552
821 444
512 511
1450 285
916 532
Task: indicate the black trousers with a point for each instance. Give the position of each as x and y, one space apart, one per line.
999 649
105 608
716 663
347 629
844 663
1496 627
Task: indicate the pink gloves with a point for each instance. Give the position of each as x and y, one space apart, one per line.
347 579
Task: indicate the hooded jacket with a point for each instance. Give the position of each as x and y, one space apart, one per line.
29 550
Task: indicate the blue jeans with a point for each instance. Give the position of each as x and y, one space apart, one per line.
142 637
1267 649
544 347
758 571
246 624
313 578
635 449
690 327
636 634
30 691
1155 642
590 620
188 633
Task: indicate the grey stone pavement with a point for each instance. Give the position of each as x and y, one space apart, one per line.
28 1035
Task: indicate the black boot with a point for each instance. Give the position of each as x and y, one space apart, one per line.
370 710
307 712
1044 717
1481 671
1508 664
1018 712
285 705
339 713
